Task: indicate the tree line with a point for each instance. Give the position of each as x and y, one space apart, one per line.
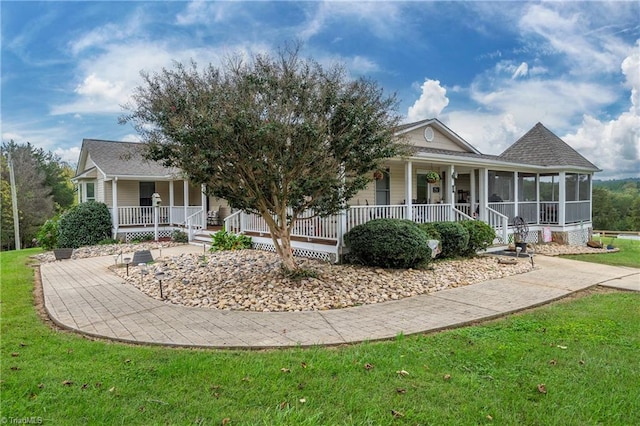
43 190
616 205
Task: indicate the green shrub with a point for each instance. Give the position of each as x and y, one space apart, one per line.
84 225
108 241
223 240
48 234
454 239
388 243
179 236
430 230
481 236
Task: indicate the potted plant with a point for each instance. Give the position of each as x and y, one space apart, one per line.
432 177
62 253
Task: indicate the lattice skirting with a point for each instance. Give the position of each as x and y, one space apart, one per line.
129 236
579 237
301 252
533 237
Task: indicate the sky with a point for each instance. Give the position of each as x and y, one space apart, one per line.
488 70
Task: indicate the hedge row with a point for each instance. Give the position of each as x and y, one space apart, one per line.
398 243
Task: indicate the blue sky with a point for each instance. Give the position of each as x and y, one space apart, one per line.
488 70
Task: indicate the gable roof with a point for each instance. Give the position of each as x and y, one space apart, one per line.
541 147
122 159
434 122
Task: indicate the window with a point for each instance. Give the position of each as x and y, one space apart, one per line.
527 187
383 196
549 187
577 187
500 186
146 192
90 191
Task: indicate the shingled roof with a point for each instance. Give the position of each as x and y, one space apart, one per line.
122 159
540 147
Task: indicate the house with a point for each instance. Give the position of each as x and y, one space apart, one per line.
539 178
117 174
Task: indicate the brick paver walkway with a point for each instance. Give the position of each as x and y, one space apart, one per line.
82 295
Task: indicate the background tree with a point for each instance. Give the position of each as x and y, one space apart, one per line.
274 136
35 200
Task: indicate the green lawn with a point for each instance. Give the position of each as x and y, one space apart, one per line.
629 254
585 352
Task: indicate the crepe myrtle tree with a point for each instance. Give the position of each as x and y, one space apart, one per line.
272 135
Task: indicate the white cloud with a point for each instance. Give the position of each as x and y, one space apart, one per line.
68 155
379 18
521 71
433 99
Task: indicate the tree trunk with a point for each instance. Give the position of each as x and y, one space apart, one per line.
282 241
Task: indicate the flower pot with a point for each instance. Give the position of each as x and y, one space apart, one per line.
63 253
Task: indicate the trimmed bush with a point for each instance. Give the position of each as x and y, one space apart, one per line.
455 238
481 236
84 225
388 243
48 234
430 230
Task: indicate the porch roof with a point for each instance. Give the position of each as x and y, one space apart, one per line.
541 147
122 160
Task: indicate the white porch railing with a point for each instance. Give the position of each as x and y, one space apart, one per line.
141 216
500 223
549 212
306 226
357 215
507 208
464 208
178 213
577 211
195 222
423 213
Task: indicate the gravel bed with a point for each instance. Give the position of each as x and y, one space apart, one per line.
251 280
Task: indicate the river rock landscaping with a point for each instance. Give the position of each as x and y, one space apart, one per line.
251 280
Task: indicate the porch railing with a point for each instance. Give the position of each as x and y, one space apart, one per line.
195 222
357 215
423 213
549 212
528 210
500 223
306 226
577 211
507 208
141 216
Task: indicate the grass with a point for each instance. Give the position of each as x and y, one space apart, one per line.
584 352
629 254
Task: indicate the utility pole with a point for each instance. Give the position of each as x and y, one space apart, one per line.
14 201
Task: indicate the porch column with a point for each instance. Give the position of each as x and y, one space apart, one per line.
562 197
171 201
483 180
203 203
472 192
451 186
114 205
185 199
538 198
408 178
515 194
